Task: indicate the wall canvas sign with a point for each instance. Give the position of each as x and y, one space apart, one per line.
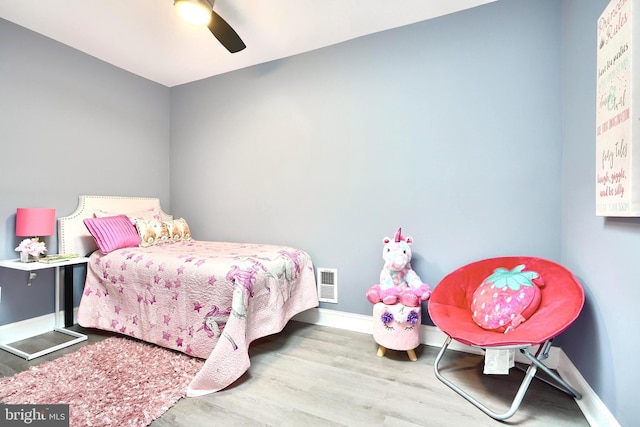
618 110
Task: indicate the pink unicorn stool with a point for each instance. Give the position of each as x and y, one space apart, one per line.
396 327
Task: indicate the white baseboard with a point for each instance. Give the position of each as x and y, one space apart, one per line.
591 406
594 410
24 329
429 335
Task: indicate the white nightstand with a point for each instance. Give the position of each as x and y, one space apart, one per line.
32 267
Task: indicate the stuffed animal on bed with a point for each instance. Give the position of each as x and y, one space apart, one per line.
398 282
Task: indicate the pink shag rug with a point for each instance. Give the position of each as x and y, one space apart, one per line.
115 382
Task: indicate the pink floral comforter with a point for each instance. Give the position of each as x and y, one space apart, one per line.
206 299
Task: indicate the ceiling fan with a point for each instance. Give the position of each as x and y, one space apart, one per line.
200 12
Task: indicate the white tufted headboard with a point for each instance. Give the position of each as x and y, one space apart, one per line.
73 236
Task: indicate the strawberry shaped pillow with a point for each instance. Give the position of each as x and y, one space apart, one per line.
506 298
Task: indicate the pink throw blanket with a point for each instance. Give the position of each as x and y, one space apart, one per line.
206 299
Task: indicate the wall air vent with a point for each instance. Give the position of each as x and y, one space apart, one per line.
328 285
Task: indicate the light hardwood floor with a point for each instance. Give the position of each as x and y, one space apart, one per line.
311 376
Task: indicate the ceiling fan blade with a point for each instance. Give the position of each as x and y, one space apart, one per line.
225 34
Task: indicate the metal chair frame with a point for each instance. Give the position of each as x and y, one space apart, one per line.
536 363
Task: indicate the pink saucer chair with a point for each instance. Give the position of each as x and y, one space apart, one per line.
561 298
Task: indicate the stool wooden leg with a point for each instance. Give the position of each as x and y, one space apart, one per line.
381 351
412 355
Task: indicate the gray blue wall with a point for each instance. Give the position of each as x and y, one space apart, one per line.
474 132
69 125
450 128
602 252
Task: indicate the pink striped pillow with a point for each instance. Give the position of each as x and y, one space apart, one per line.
112 232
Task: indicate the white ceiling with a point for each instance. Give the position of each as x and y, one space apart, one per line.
147 38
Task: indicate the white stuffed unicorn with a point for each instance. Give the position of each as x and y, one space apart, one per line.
398 281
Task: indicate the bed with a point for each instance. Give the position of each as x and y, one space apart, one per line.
206 299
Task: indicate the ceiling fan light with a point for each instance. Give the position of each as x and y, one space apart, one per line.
195 12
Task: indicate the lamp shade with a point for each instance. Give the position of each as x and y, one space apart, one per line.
35 222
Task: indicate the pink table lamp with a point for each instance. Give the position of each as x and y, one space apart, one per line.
34 223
